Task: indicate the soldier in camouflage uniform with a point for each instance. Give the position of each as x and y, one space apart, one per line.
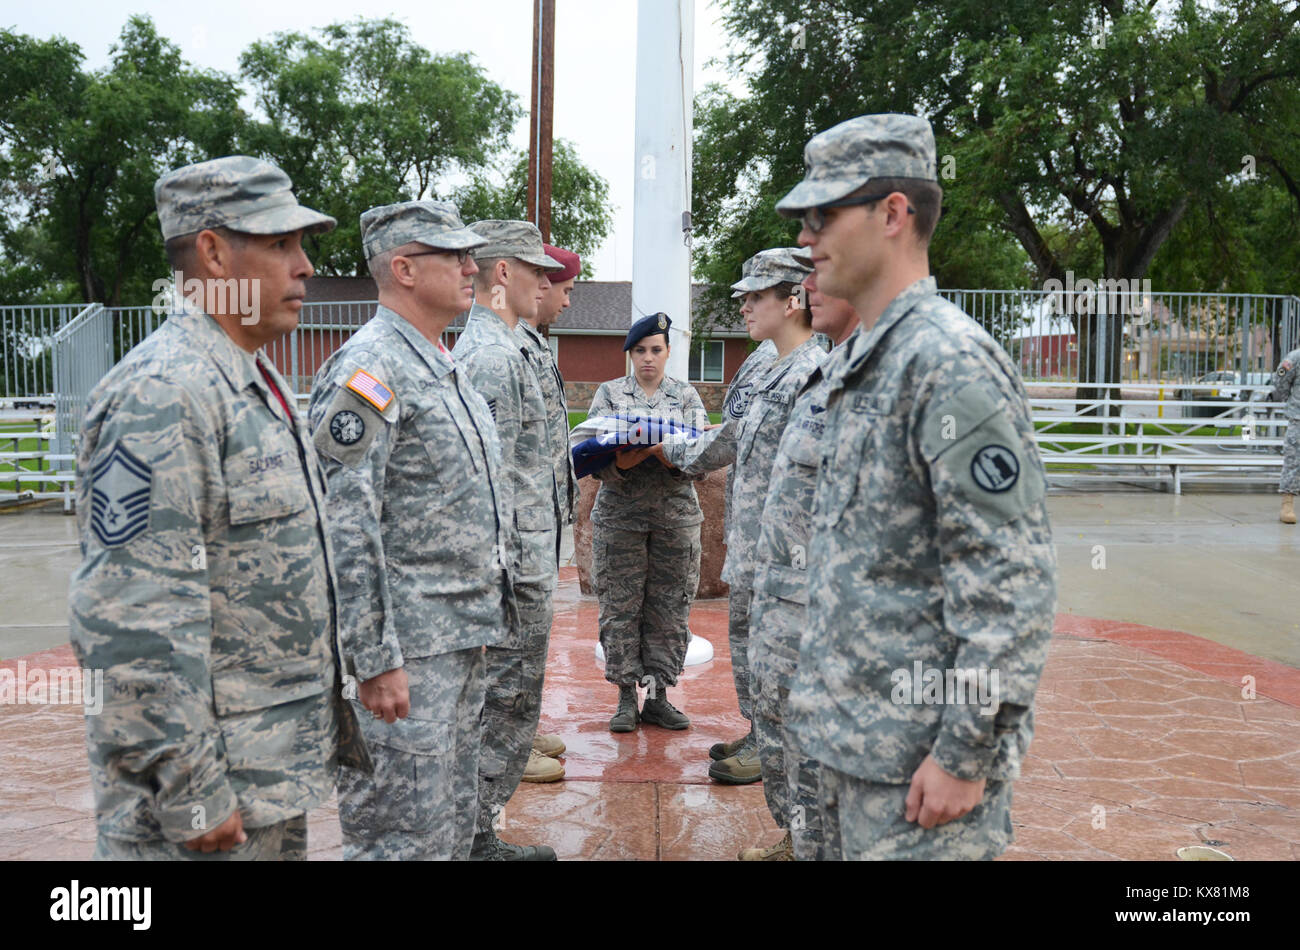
778 612
646 538
206 591
419 521
771 314
1285 390
931 556
542 764
509 286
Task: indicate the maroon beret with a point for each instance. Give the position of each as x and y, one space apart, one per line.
572 264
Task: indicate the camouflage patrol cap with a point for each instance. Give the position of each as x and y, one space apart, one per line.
237 192
744 272
776 265
435 223
518 239
803 256
845 157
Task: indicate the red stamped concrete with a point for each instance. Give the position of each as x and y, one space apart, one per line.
1144 743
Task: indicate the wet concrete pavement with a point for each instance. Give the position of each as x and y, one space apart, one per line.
1144 741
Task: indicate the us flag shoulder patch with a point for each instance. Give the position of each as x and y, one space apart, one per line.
370 389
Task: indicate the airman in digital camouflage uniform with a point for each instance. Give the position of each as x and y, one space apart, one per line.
206 591
418 521
778 612
770 280
542 765
1285 390
509 285
932 577
646 538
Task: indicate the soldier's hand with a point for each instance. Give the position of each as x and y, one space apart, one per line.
937 798
632 457
657 451
386 695
221 838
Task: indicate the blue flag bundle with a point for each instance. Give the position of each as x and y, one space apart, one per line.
595 441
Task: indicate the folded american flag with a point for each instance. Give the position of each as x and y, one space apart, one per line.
594 441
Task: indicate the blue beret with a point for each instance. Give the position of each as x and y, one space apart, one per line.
647 326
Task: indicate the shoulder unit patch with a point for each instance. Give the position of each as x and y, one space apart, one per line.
119 497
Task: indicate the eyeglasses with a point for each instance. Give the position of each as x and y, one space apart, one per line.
814 219
461 256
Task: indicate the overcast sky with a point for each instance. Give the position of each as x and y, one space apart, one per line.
595 60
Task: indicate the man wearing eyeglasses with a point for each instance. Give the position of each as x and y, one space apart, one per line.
418 520
509 286
931 572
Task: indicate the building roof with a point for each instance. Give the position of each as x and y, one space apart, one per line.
598 307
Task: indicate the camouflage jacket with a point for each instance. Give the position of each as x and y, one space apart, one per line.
416 517
497 364
717 447
648 494
205 593
1284 387
757 437
557 419
931 555
785 527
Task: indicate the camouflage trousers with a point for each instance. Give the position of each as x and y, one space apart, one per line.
1289 483
738 604
283 841
869 820
515 673
421 801
645 582
791 779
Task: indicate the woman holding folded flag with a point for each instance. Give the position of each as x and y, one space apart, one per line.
646 532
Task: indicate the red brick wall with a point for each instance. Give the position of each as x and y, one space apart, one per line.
591 359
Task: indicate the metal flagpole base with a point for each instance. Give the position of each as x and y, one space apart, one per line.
698 651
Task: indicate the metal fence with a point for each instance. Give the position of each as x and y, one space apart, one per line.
26 338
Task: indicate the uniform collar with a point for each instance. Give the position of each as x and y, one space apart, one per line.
526 328
860 345
437 361
488 322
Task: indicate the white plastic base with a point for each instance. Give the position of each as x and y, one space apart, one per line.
698 651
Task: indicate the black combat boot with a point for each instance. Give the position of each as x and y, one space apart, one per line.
627 717
659 711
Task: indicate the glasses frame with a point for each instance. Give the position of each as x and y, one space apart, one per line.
462 254
814 219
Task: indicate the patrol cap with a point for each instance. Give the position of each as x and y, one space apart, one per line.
776 265
238 192
845 157
647 326
803 256
518 239
571 261
744 272
435 223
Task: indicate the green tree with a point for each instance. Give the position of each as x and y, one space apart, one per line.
581 214
364 116
1085 129
79 153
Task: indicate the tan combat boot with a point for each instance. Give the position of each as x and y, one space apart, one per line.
1288 509
782 851
542 768
548 745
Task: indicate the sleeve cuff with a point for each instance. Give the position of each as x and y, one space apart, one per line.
372 661
962 759
195 817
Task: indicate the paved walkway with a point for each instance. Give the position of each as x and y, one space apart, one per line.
1146 741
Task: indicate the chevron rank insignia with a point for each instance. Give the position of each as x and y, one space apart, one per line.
370 389
119 497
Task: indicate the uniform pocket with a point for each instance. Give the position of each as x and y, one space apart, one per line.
412 772
260 500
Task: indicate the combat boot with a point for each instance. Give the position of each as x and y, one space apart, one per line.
782 851
659 711
740 769
549 745
488 847
627 717
725 750
542 768
1288 509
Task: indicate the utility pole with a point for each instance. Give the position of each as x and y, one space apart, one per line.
539 121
